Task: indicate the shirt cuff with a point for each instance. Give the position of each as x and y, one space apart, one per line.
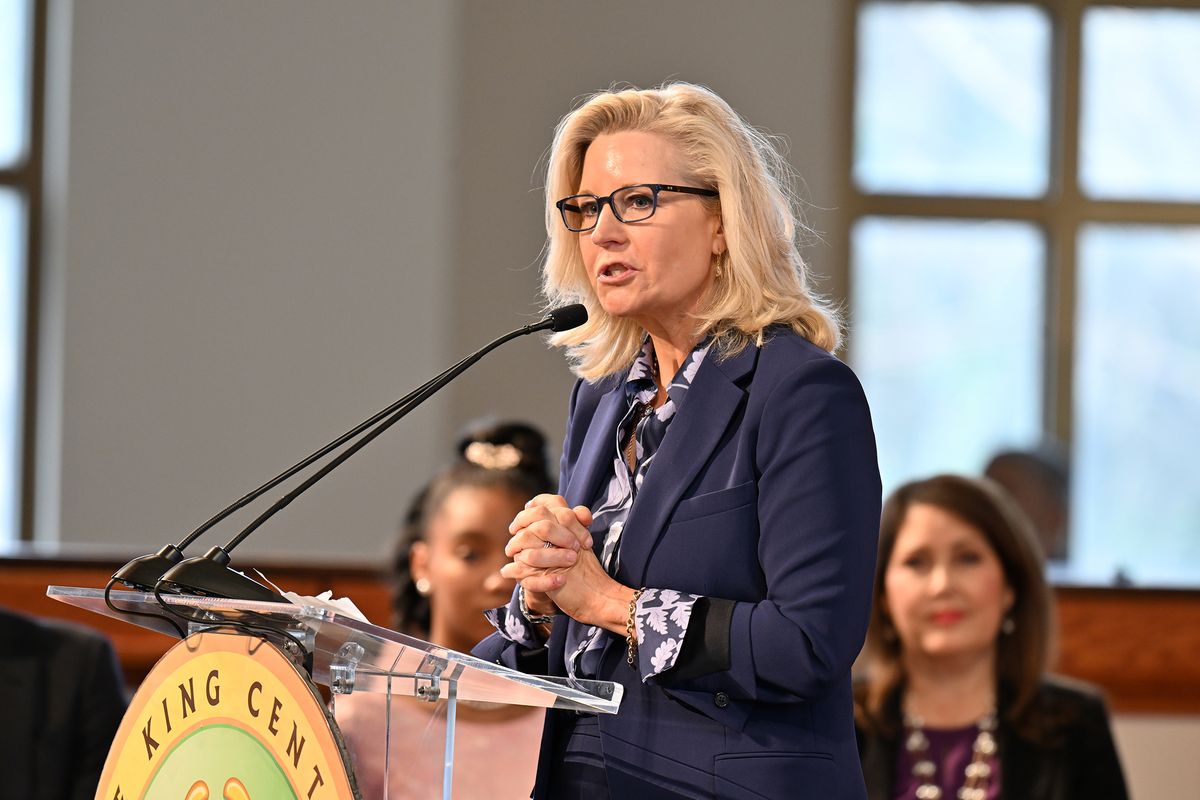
706 648
661 619
510 623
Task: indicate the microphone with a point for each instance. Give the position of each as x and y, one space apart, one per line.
563 318
210 574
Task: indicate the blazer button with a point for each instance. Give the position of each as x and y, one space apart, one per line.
721 699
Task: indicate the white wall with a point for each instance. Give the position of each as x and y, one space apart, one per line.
255 258
1158 753
263 243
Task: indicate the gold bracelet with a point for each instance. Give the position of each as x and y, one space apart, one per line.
631 629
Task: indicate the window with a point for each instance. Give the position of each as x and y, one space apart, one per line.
19 184
1137 400
951 400
1023 239
1140 104
985 68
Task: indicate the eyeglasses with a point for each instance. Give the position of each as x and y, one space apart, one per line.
580 212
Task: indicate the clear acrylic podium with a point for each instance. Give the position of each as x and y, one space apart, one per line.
349 655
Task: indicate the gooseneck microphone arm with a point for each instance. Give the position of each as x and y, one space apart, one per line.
143 572
209 575
248 498
421 396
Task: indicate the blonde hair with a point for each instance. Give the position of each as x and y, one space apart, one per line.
764 280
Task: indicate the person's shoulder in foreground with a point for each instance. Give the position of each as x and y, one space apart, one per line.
788 361
63 701
783 346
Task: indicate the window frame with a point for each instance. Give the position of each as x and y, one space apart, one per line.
26 179
1061 213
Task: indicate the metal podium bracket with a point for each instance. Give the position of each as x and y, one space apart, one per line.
427 687
344 668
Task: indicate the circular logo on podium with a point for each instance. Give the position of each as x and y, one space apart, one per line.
226 717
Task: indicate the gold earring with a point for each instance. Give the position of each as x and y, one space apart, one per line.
424 587
718 272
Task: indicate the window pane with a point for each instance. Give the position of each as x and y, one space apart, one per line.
1136 484
12 308
1140 131
14 79
947 340
952 98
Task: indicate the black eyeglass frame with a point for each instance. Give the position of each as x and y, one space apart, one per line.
654 188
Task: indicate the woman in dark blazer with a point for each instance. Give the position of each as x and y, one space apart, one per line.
713 546
955 701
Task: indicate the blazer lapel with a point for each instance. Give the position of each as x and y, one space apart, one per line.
712 400
595 460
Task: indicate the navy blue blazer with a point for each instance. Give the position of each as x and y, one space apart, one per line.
764 492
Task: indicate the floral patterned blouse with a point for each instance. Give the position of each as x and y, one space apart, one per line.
662 615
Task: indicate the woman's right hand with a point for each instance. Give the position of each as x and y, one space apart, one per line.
546 538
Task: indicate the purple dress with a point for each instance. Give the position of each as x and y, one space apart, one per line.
951 750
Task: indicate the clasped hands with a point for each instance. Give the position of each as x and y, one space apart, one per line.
552 558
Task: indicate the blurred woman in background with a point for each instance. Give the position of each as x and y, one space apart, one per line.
955 701
447 572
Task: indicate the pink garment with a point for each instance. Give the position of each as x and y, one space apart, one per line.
495 751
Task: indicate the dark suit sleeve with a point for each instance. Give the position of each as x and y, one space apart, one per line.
499 650
818 514
100 704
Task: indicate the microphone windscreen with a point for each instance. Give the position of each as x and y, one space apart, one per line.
567 317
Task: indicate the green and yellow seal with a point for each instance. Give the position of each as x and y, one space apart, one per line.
226 717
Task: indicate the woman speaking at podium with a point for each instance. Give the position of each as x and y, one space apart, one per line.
713 547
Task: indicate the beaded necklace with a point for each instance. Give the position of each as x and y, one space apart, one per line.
978 772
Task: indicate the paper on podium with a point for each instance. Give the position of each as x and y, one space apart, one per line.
342 605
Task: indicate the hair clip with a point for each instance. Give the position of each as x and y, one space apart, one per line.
493 456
